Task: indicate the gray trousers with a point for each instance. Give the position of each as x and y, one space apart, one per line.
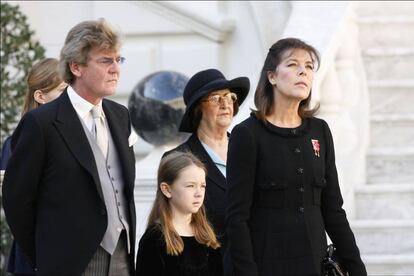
103 264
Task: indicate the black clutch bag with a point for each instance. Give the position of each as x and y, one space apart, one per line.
331 265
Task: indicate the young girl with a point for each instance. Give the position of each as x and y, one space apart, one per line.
179 240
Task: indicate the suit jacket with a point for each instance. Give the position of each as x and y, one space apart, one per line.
52 195
283 195
17 262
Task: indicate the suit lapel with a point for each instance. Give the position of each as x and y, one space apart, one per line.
214 173
117 125
70 127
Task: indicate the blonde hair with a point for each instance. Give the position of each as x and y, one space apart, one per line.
161 214
81 39
43 76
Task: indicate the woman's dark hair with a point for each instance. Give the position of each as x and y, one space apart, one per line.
263 97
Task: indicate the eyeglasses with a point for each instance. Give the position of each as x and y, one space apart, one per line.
105 61
217 99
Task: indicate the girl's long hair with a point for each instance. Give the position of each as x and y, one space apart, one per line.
43 76
161 214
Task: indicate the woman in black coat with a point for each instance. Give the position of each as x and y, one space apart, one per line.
211 102
283 191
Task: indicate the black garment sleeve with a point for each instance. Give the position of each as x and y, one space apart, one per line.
215 263
5 153
241 170
149 258
22 177
336 222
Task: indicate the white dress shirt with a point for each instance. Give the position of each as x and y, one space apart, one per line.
83 108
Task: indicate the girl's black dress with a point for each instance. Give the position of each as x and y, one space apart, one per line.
196 259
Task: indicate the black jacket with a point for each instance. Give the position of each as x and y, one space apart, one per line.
283 195
52 195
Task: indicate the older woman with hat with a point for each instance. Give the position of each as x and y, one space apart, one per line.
211 103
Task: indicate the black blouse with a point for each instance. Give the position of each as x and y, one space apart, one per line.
196 259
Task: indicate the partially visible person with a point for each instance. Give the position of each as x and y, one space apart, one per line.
283 186
211 103
179 241
44 84
68 194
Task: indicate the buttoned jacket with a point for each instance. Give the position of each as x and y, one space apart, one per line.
283 196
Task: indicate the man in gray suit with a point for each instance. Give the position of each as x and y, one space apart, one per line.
68 188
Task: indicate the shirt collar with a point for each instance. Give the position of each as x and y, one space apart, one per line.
82 106
214 156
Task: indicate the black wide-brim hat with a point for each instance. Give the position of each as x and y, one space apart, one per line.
204 82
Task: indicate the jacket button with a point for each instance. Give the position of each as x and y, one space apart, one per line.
301 209
297 150
272 184
299 170
293 131
301 189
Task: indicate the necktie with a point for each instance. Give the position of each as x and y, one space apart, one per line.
99 130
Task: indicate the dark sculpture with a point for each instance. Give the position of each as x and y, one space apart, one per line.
156 106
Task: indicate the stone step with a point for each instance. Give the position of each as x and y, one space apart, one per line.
384 236
390 96
384 8
392 130
390 265
385 201
390 165
381 63
380 31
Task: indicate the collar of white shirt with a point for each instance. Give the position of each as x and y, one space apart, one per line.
82 106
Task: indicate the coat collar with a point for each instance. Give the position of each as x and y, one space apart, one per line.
214 173
70 127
